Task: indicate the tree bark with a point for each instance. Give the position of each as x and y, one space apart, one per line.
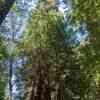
40 88
10 78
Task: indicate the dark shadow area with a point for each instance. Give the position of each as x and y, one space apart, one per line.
4 9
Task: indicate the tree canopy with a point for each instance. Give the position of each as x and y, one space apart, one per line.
37 58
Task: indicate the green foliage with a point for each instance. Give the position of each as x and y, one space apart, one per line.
88 11
3 52
43 42
47 30
2 89
1 2
72 76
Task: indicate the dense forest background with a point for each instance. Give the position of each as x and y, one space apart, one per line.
49 49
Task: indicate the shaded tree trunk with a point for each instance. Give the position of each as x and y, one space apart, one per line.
40 88
10 79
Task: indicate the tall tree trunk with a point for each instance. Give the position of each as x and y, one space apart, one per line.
10 78
40 88
11 59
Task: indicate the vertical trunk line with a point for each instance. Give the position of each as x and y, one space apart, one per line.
10 78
